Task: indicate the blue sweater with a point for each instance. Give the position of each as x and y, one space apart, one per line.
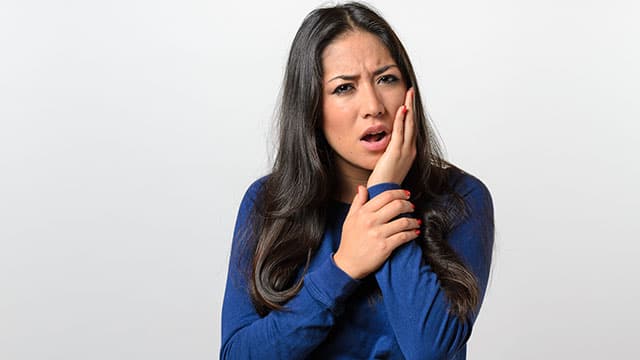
336 317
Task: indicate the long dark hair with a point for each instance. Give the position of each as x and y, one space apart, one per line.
289 217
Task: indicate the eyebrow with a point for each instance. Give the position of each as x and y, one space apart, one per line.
376 72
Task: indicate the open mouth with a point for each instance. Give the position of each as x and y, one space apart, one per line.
374 137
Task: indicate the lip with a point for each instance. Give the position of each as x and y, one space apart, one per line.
376 146
375 129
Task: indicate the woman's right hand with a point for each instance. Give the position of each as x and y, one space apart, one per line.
368 234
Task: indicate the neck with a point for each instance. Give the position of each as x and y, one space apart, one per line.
348 182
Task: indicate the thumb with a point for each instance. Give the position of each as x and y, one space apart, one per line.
360 199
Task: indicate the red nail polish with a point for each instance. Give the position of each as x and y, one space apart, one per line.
418 232
413 206
404 109
408 193
419 222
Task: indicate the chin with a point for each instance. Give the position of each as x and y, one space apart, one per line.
370 164
355 165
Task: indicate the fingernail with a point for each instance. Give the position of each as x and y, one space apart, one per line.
408 193
413 206
404 109
418 232
419 222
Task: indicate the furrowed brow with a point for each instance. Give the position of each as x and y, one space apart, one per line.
344 77
353 77
383 69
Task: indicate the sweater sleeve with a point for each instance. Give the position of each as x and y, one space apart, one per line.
411 291
289 334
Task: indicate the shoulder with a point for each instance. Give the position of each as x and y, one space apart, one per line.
257 185
246 215
471 188
253 191
472 194
249 200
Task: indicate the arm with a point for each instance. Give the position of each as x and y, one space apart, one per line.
411 292
289 334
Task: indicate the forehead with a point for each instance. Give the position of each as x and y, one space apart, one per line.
354 52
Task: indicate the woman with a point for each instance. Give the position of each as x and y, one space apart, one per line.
363 242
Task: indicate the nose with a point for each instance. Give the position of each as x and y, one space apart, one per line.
372 105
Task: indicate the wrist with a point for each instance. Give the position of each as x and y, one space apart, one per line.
377 189
337 259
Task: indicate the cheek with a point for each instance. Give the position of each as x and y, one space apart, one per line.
336 108
335 120
396 99
333 129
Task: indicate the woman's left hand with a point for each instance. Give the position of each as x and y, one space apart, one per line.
395 162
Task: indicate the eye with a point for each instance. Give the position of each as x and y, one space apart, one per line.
387 79
342 89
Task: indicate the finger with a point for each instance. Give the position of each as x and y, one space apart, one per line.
386 197
409 122
359 200
397 134
400 225
393 210
401 238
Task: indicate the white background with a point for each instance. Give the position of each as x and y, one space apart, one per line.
129 131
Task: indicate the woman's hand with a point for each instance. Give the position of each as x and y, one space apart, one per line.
368 234
395 162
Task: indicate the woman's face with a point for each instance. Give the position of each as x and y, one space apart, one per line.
362 91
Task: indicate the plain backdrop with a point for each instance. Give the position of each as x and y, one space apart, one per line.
129 131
